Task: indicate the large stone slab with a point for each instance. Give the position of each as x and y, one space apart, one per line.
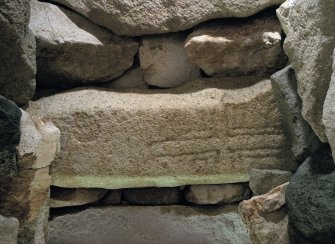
142 17
141 225
17 52
235 48
206 132
9 228
72 50
309 45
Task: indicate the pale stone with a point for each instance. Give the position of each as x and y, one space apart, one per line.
283 13
66 197
113 197
300 134
210 131
39 143
152 195
309 45
217 194
263 180
132 78
140 17
140 225
266 217
71 50
328 118
9 228
237 48
164 61
17 52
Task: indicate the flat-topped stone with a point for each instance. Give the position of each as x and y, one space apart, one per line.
205 132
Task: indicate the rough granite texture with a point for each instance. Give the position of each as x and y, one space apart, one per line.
9 228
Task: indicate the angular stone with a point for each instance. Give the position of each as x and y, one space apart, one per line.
263 180
140 17
266 217
164 61
283 13
66 197
328 118
310 199
26 198
132 78
39 143
152 196
168 224
237 48
301 136
71 50
310 37
217 194
210 131
17 52
10 116
9 228
113 197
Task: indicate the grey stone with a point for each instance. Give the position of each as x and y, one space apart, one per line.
238 47
164 61
71 50
9 228
217 194
17 52
142 225
263 180
309 45
132 78
310 199
140 17
152 195
301 136
10 116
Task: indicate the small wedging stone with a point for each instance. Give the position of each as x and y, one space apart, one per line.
71 50
266 217
169 138
159 224
113 197
217 194
17 52
164 61
66 197
309 45
141 17
239 47
152 195
263 180
10 115
9 228
300 134
132 78
310 199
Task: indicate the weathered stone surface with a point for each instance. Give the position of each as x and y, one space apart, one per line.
39 143
66 197
17 52
263 180
301 136
266 217
10 116
238 47
113 197
132 78
25 197
328 118
152 195
206 132
142 17
310 37
71 50
164 61
310 199
217 194
283 13
168 224
9 228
